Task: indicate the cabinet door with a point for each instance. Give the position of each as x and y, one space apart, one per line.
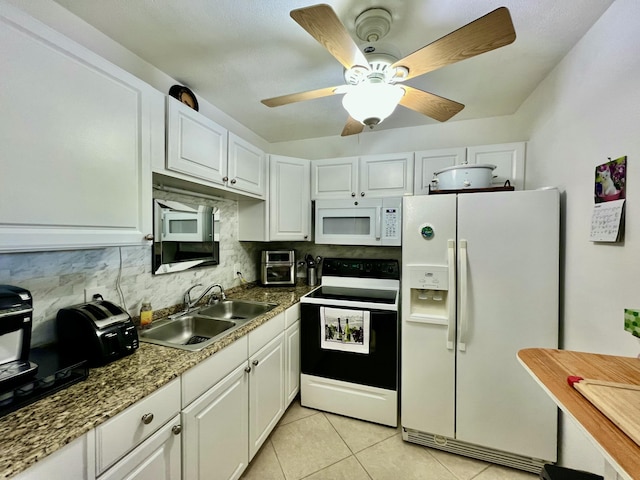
334 178
428 162
216 428
289 199
266 392
246 166
76 146
196 145
292 378
509 159
158 458
386 175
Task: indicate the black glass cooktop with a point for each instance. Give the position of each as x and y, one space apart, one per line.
355 294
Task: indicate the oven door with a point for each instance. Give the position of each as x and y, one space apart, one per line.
330 349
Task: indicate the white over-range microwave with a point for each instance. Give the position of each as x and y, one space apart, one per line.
370 221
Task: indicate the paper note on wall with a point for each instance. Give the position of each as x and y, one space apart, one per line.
606 221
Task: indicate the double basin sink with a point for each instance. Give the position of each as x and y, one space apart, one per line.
197 329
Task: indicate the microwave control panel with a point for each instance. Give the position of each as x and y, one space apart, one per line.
391 222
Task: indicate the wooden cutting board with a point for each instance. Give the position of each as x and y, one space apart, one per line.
619 402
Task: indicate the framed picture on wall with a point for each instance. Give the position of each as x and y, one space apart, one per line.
610 180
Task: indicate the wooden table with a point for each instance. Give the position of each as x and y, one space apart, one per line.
551 368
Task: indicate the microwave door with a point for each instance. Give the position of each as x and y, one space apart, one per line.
348 226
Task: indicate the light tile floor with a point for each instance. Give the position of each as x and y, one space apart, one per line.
313 445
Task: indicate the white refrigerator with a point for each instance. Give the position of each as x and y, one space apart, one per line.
480 281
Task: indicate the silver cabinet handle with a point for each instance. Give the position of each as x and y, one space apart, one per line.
248 369
147 418
255 363
176 429
362 194
148 236
306 236
353 194
225 179
233 181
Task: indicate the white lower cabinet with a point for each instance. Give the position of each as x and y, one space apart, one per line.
266 392
215 430
157 458
292 353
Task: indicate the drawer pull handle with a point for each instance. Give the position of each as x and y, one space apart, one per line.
248 369
176 429
255 363
147 418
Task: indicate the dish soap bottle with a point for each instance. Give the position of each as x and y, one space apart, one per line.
146 315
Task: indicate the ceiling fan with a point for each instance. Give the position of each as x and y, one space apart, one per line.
372 91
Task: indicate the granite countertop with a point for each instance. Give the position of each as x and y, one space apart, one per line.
37 430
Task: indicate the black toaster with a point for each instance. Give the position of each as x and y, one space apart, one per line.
98 332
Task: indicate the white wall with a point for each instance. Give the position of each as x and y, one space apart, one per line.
588 109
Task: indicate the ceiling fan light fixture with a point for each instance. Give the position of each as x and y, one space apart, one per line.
370 103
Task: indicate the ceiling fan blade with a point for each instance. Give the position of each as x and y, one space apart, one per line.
438 108
299 97
322 23
352 127
487 33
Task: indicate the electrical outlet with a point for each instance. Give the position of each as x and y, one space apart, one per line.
236 269
90 292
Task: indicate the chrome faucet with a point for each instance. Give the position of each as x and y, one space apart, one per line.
188 303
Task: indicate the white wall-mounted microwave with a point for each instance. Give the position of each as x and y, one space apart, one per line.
370 221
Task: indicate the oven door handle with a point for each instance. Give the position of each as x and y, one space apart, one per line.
378 223
451 295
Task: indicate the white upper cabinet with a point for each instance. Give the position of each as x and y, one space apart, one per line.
77 139
509 159
196 145
289 199
430 161
334 178
246 166
386 175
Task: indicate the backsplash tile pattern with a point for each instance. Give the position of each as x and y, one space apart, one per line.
58 279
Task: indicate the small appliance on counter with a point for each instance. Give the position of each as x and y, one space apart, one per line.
99 331
16 308
29 374
278 268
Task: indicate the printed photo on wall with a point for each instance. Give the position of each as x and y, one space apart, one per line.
344 329
610 180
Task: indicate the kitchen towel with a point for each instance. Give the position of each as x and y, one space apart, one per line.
345 330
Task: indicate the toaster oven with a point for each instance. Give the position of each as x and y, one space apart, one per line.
98 331
278 268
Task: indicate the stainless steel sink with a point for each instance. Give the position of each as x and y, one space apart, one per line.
199 328
236 309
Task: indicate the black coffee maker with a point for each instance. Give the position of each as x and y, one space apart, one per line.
16 312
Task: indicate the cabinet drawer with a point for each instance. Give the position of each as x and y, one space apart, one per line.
205 375
125 431
266 332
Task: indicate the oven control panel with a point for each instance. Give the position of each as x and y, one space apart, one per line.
359 267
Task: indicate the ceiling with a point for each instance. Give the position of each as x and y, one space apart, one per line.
234 53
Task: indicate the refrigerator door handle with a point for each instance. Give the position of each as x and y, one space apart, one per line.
464 313
378 223
451 295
